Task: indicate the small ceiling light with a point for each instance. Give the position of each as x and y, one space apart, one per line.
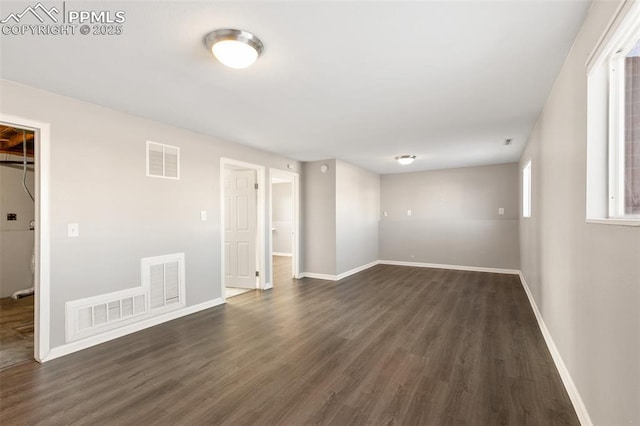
234 48
405 159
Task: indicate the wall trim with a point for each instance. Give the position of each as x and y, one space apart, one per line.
358 269
454 267
268 286
570 386
340 276
279 253
97 339
318 276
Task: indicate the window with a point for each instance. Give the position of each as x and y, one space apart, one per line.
613 133
624 131
526 190
163 160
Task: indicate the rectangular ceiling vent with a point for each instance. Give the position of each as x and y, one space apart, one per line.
163 160
93 315
163 276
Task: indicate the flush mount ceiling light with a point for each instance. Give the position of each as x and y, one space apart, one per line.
405 159
234 48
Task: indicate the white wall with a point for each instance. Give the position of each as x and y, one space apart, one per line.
584 277
319 217
454 219
341 209
357 213
282 219
16 240
98 180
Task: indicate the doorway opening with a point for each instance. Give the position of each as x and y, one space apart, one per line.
284 225
242 202
41 282
17 245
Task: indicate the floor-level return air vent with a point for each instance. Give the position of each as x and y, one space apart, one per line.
92 315
164 277
162 290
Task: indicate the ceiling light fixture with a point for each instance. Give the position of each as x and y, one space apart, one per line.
405 159
234 48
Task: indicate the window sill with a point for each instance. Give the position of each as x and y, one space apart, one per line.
617 222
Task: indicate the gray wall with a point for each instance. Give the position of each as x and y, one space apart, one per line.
282 217
584 277
454 217
16 240
319 217
98 180
357 212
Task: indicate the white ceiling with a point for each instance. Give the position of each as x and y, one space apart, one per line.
359 81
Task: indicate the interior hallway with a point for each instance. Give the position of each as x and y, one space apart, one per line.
282 270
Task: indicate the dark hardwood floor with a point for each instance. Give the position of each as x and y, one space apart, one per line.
16 331
390 345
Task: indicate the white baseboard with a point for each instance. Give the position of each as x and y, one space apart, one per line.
570 386
454 267
97 339
318 276
340 276
267 286
278 253
358 269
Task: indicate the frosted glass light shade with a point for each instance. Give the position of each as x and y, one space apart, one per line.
234 48
405 159
234 54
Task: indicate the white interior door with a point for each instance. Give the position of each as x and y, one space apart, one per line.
240 228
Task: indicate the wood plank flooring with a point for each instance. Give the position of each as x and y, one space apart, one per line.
282 270
390 345
16 331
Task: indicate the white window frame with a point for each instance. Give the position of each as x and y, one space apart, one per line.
526 190
616 126
605 119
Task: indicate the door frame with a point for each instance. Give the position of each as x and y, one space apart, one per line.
42 251
294 178
260 212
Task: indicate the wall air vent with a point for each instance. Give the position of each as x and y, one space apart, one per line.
93 315
162 290
163 160
164 277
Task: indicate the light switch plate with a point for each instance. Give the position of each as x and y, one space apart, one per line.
408 212
203 215
501 211
73 230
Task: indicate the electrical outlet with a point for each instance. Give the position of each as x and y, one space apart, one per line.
501 211
385 214
203 215
408 212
